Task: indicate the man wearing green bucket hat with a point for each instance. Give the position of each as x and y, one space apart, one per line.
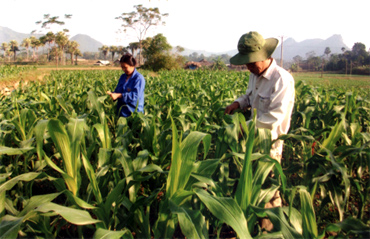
270 90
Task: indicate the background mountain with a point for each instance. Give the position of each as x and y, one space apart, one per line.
291 48
7 34
87 44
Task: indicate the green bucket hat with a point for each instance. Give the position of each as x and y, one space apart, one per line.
253 47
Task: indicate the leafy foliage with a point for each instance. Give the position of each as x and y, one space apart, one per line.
71 168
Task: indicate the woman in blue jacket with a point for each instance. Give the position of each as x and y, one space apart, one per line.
130 88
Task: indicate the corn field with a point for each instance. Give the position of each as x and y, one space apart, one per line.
10 71
70 168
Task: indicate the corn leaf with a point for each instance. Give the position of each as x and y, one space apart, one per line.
243 194
226 210
192 222
277 217
14 151
92 177
173 176
36 201
309 225
107 234
334 136
61 140
39 133
74 216
26 177
10 225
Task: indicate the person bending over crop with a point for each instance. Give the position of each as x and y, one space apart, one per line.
270 91
130 88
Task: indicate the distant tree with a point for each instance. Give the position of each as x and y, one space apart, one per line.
49 21
327 52
157 54
4 47
310 54
335 63
71 48
179 49
122 50
55 53
35 44
141 21
359 53
26 43
77 53
49 39
316 62
104 49
9 53
218 64
297 59
157 44
296 65
113 50
14 47
194 56
225 58
90 55
133 46
62 40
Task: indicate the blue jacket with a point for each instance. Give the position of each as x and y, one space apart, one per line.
132 94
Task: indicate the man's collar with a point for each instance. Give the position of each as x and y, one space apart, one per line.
268 72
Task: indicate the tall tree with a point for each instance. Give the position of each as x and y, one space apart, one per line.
157 44
133 47
26 43
9 53
113 50
14 47
179 49
49 21
158 55
140 21
55 53
122 50
104 49
297 59
359 53
49 39
62 40
35 44
77 53
327 52
5 48
71 48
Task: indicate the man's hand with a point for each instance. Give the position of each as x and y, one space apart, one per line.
114 96
229 109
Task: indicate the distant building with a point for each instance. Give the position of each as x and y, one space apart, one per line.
117 62
102 63
193 65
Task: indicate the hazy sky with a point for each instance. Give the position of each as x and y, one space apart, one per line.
211 25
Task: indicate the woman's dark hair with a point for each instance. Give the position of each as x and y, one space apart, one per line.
128 59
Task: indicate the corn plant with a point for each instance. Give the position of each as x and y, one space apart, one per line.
70 167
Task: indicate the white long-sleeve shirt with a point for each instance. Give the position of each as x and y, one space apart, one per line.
272 94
